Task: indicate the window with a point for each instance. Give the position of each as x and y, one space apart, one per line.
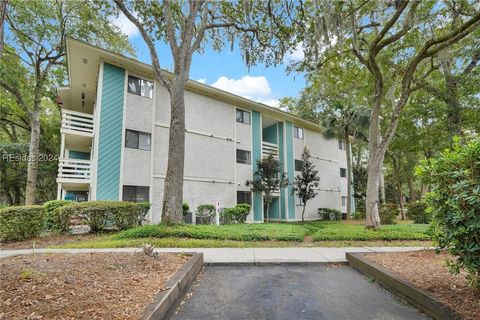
298 132
243 156
140 87
298 165
343 172
244 197
344 201
243 116
135 193
341 145
137 140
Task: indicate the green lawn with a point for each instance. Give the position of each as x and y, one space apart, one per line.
330 234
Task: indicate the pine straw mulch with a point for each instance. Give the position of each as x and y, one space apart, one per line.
83 286
427 270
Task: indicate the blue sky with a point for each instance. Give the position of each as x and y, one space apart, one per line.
227 71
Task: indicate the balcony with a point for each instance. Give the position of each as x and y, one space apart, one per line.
78 123
269 148
73 171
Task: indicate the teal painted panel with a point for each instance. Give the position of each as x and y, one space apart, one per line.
78 155
270 134
110 134
274 210
290 168
281 155
257 155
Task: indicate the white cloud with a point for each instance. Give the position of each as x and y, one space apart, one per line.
126 26
295 55
250 87
202 80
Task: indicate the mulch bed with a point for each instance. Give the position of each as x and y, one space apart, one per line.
49 240
427 270
83 286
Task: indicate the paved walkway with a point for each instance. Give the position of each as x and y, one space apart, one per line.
309 292
243 255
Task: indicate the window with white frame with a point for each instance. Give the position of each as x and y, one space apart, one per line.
243 116
243 156
298 132
343 172
140 87
298 165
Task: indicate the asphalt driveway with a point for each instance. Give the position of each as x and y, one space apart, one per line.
291 292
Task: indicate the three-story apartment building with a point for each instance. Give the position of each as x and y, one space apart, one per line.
114 141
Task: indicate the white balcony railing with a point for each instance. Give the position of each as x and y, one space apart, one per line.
74 170
269 148
77 122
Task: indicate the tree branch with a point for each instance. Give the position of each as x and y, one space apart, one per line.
153 53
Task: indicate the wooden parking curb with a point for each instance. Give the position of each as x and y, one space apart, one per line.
413 295
166 302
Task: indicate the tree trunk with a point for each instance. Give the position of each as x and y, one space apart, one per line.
398 181
33 153
451 99
172 210
303 212
349 176
3 12
268 209
411 190
381 188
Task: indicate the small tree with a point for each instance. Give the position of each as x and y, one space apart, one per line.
306 183
267 179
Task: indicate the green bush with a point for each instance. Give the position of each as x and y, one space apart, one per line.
186 209
388 213
206 210
454 203
53 221
359 215
329 214
103 215
21 223
237 214
417 211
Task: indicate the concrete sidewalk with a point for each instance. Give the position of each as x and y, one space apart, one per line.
243 255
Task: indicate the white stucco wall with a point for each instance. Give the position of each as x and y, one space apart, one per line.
136 162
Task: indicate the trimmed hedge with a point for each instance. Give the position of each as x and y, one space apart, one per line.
53 221
237 214
328 214
103 215
417 211
21 223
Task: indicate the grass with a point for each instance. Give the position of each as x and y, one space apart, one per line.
238 232
208 243
338 231
308 234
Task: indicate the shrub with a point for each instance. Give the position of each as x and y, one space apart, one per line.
329 214
186 209
359 215
102 215
206 210
454 203
53 221
237 214
21 223
417 211
388 213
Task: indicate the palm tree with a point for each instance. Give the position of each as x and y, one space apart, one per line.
344 121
